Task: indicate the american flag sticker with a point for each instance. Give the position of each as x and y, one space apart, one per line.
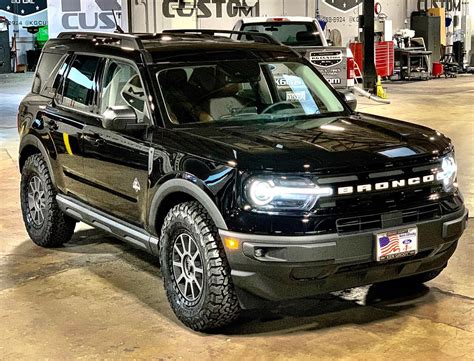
397 244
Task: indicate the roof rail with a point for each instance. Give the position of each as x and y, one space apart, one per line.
250 35
121 40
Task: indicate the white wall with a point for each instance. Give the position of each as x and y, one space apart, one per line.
346 22
211 15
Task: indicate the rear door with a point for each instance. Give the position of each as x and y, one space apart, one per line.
66 117
116 163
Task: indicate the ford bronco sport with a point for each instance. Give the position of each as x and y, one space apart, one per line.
236 164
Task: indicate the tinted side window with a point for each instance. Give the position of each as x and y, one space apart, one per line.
122 86
79 85
45 72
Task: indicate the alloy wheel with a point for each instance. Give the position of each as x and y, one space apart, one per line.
188 267
36 200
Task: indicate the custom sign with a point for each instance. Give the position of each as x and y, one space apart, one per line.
83 15
449 5
343 5
210 9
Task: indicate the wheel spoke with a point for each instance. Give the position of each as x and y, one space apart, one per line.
183 244
186 288
192 288
41 216
181 276
197 283
199 270
189 244
32 187
177 264
176 248
195 255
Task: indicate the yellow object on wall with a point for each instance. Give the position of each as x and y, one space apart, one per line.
441 12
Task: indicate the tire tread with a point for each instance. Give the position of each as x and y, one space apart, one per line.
221 306
59 228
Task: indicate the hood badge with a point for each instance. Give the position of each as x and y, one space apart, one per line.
136 185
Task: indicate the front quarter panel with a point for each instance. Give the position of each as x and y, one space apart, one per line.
209 182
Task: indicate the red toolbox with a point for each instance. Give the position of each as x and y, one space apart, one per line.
384 57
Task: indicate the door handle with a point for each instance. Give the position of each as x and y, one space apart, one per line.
52 125
99 141
94 140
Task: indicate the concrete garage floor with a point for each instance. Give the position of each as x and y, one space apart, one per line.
98 298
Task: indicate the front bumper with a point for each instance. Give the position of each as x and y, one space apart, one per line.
278 268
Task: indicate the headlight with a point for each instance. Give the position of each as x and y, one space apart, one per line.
283 193
448 173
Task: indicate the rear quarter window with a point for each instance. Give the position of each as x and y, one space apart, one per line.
46 72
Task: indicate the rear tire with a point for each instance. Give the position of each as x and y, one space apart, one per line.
45 223
195 270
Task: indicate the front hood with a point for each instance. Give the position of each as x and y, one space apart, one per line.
353 142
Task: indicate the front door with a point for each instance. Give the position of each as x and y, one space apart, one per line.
66 118
116 163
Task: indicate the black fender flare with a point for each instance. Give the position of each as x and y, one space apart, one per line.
183 186
31 140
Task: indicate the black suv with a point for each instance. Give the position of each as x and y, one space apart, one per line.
236 164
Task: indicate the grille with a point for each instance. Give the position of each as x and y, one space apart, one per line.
381 220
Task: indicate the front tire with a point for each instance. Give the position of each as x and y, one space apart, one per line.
195 269
45 223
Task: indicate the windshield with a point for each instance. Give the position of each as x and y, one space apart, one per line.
247 90
289 33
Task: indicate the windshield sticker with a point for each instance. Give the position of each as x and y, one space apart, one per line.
300 93
289 81
296 97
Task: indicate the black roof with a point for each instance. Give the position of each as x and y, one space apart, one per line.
174 45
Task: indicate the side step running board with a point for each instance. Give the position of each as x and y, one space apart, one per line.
95 218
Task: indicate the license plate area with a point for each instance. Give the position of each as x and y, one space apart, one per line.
396 244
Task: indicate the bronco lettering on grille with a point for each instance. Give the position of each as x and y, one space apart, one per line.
389 185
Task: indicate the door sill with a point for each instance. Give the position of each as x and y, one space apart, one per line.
125 231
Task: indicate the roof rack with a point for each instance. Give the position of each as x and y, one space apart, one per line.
123 40
250 35
134 41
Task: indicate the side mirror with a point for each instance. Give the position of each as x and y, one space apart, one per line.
123 119
350 99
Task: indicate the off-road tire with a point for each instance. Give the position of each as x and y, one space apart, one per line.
56 228
217 304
